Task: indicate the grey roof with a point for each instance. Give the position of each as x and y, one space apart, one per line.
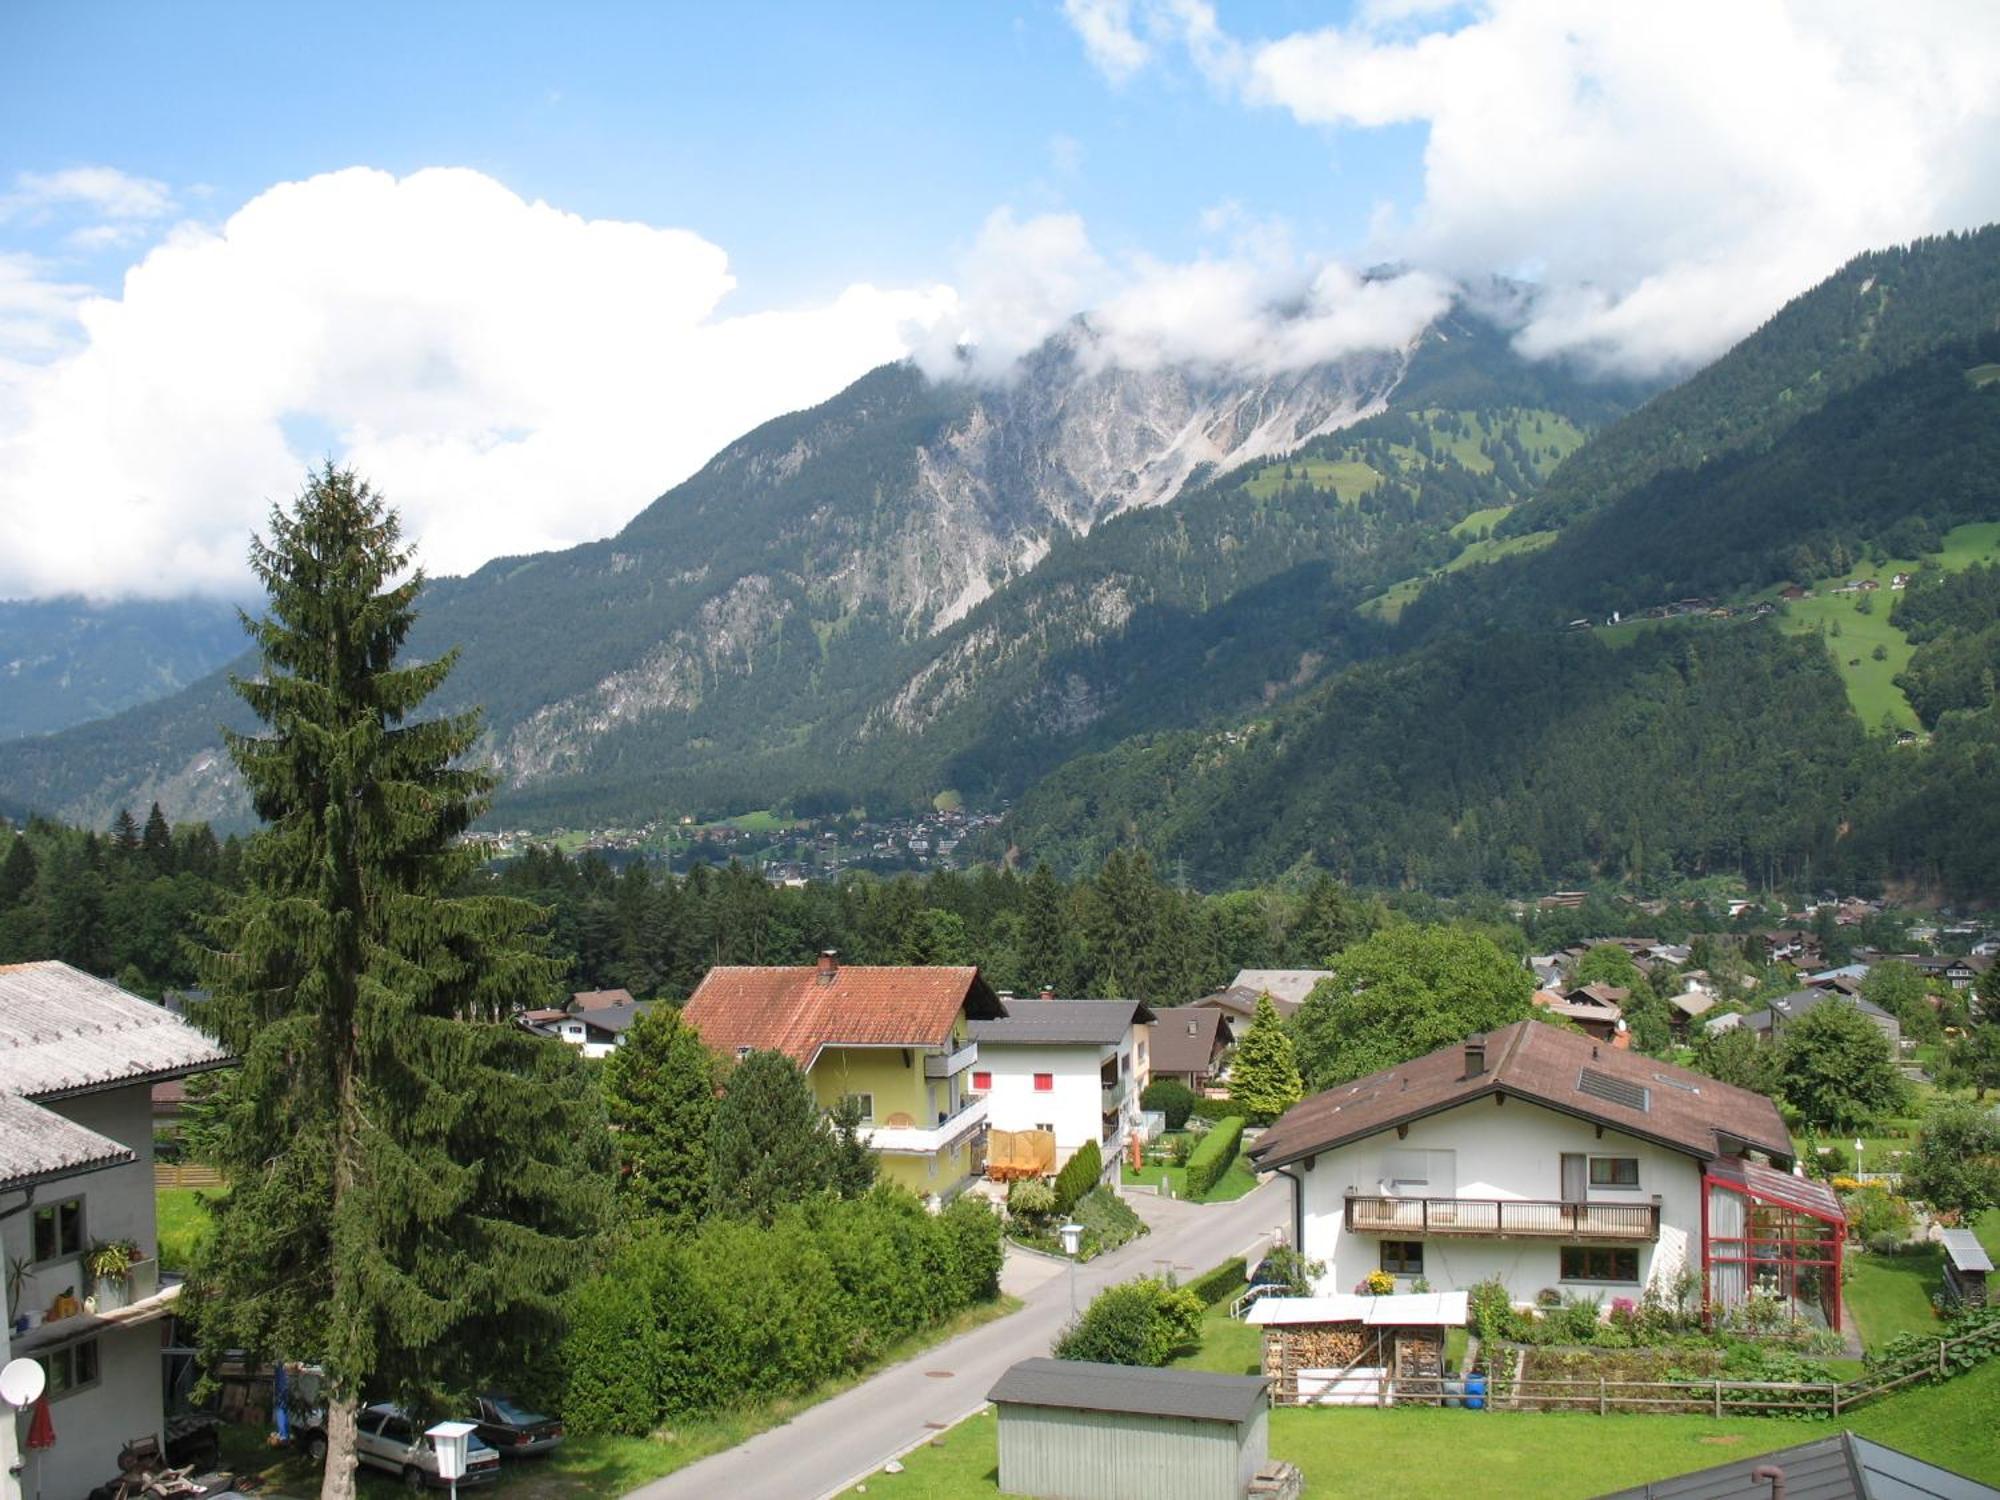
1289 985
614 1018
1797 1003
1082 1386
65 1032
37 1144
1062 1023
1842 1467
1963 1246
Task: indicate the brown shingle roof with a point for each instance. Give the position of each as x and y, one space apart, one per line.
799 1011
1184 1038
1674 1106
600 999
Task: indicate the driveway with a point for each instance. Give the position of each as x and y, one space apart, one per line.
830 1446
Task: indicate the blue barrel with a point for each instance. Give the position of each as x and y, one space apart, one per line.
1475 1392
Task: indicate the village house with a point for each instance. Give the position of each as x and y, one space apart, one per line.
78 1061
1287 988
897 1040
1074 1068
1785 1009
1597 1008
1549 1160
1190 1043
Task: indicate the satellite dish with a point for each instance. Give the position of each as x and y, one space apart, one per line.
21 1382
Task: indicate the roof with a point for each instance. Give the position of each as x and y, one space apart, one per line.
1806 1194
1840 1467
1184 1039
1397 1310
1080 1385
37 1144
599 999
1692 1003
1562 1070
1288 985
615 1018
800 1011
1062 1023
1963 1246
64 1032
1600 993
1798 1002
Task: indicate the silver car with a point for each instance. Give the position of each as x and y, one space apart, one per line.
388 1439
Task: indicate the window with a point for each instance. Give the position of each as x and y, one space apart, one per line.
1403 1257
865 1101
1614 1171
1047 1125
981 1082
1045 1083
70 1369
1598 1263
59 1229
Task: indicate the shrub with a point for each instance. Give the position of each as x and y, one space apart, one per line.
975 1233
1108 1221
609 1355
1885 1242
1031 1198
1830 1160
1078 1176
1214 1156
1490 1310
1182 1149
1873 1210
1376 1284
1222 1284
1206 1108
1171 1098
1143 1322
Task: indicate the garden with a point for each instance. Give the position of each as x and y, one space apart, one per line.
1038 1208
1201 1156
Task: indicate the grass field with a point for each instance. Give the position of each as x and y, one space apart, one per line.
1233 1184
1482 520
1888 1295
1388 605
182 1224
1349 478
1419 1453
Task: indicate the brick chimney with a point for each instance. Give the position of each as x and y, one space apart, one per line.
829 964
1475 1054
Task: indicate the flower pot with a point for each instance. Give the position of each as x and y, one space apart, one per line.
113 1292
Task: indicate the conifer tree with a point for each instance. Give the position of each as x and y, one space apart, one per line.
772 1144
157 842
659 1091
1264 1074
414 1182
1045 934
17 871
125 832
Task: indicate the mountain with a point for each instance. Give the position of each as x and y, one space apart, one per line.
66 661
874 596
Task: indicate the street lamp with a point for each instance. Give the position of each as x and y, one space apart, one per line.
1072 1242
449 1441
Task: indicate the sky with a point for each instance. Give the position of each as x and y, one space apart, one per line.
529 266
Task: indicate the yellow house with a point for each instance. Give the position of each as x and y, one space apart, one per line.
895 1038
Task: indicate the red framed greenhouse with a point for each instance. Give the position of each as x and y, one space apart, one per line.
1768 1233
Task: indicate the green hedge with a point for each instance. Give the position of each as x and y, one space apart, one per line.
1213 1109
1171 1098
1078 1176
1224 1284
1214 1155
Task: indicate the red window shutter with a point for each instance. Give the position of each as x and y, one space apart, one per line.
1045 1083
982 1081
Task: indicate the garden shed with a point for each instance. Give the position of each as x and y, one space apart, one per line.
1350 1349
1966 1266
1074 1430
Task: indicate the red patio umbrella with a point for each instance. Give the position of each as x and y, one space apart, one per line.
41 1430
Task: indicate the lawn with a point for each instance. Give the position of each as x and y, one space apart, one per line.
1481 520
183 1223
1390 603
1987 1228
1418 1453
1233 1184
1347 478
1890 1294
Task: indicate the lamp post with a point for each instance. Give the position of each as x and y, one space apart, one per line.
1072 1242
449 1441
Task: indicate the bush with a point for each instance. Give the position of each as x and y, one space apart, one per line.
1144 1322
1490 1310
1078 1176
1831 1160
1182 1149
1171 1098
1214 1156
1885 1243
975 1234
1031 1198
1107 1220
1224 1284
609 1355
1873 1211
1212 1109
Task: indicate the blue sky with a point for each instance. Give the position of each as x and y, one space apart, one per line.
528 266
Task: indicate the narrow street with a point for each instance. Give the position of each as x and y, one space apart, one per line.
824 1450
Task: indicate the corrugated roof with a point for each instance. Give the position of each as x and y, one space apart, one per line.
1397 1310
1535 1061
1058 1023
37 1144
1082 1386
1963 1246
1184 1038
799 1011
64 1032
1841 1467
1289 986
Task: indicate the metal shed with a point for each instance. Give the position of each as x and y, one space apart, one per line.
1966 1265
1072 1430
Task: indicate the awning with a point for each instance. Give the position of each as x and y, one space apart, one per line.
1397 1310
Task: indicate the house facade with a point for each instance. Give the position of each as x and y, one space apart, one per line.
596 1032
896 1039
1190 1042
1074 1068
78 1061
1549 1161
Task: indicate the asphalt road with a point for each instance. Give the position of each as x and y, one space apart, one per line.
829 1447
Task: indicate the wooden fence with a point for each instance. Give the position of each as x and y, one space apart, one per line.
184 1175
1715 1397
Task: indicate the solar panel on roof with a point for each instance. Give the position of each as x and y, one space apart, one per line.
1613 1090
1675 1083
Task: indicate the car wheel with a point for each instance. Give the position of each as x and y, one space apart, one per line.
316 1447
413 1479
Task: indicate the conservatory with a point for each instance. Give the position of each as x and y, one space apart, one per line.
1770 1245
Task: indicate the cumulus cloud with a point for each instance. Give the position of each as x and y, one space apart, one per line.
1668 174
512 376
1105 27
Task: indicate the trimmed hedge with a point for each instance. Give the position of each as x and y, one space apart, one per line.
1223 1284
1078 1176
1206 1108
1214 1155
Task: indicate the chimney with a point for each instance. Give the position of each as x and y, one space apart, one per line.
1191 1028
1048 993
1475 1054
829 964
1774 1475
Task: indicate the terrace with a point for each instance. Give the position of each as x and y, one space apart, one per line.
1503 1218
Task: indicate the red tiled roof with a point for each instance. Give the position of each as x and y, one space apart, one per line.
1531 1060
799 1011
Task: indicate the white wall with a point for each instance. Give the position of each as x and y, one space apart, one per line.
1073 1106
1501 1151
94 1423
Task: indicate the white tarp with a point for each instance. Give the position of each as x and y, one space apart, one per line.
1398 1310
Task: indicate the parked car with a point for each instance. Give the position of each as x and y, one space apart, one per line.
513 1430
388 1439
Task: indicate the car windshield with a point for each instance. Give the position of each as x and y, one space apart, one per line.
507 1411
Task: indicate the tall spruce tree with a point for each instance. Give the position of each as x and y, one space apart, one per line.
772 1143
414 1182
1264 1074
156 842
659 1090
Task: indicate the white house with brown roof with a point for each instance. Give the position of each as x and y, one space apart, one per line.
1551 1162
78 1061
1074 1068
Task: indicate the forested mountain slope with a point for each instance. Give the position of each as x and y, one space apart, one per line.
67 661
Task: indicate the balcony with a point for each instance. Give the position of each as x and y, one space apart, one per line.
950 1064
1112 1096
924 1140
1503 1218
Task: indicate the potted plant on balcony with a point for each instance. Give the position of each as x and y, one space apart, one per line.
110 1264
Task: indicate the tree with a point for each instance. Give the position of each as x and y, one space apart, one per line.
124 832
1143 1322
157 842
659 1093
1405 991
1171 1098
1972 1061
854 1162
1264 1073
1902 991
1837 1069
1047 947
414 1182
17 871
1331 919
771 1142
1739 1057
1956 1164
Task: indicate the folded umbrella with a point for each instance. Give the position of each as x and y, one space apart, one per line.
41 1430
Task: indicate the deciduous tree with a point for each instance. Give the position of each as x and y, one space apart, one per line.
1956 1164
1837 1069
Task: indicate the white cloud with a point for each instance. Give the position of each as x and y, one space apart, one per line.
511 376
104 190
1105 27
1670 174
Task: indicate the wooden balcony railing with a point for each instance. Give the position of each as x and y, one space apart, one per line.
1502 1218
